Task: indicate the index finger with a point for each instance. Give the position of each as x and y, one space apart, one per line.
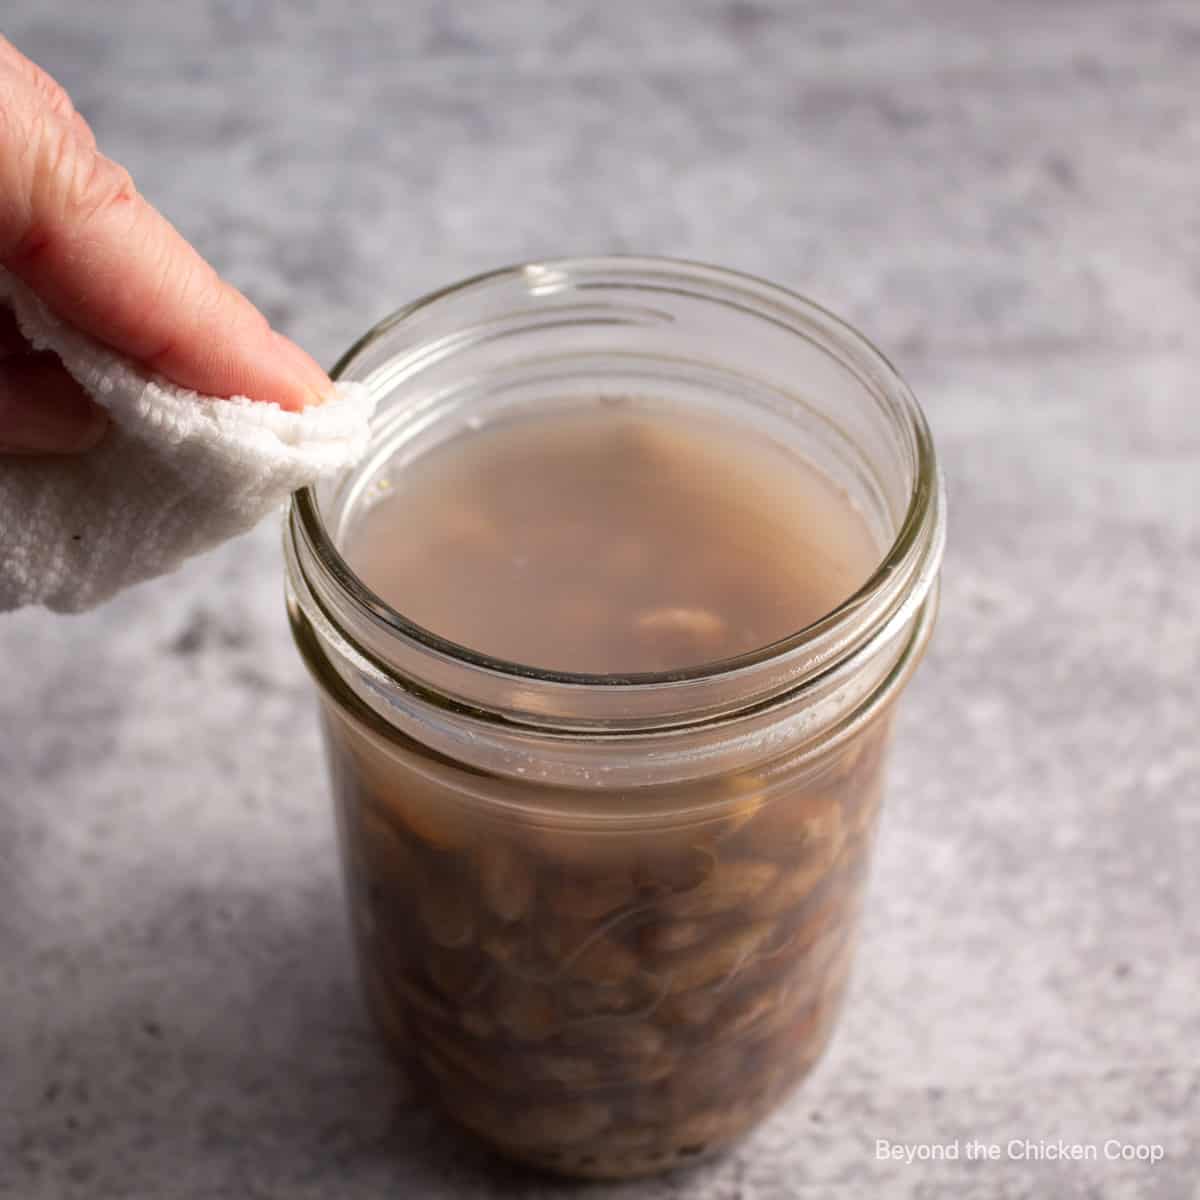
75 229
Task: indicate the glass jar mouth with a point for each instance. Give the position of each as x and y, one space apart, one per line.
819 644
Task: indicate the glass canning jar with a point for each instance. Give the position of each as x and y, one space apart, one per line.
608 920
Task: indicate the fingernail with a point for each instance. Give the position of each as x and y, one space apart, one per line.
315 384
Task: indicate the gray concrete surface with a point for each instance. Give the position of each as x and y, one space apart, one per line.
1007 197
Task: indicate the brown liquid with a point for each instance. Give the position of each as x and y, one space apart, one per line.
607 1000
606 1004
598 541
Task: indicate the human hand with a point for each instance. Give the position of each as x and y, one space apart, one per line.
75 230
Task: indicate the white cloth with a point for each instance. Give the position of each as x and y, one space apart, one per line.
176 473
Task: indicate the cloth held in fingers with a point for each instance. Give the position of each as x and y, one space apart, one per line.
176 473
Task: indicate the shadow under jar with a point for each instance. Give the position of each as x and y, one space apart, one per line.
607 916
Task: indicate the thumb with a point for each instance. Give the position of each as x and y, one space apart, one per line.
75 230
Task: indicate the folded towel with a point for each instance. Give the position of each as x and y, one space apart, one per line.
175 474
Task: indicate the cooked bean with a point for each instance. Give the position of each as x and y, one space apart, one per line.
446 912
669 937
506 881
528 1011
585 899
552 1124
709 1126
696 624
796 826
730 887
691 1009
603 961
791 889
715 961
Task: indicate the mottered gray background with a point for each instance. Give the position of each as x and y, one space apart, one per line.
1006 197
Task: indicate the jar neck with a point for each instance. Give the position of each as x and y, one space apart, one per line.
811 721
802 689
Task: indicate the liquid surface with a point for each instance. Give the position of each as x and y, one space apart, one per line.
603 542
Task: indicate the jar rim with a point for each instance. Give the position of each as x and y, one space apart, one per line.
922 519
